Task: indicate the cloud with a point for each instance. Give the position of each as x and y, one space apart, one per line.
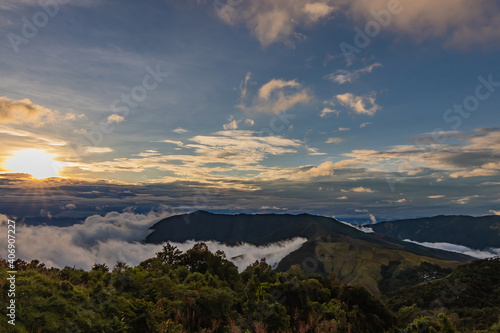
115 118
464 200
277 96
342 76
178 143
489 253
359 104
232 125
98 239
360 189
495 212
245 254
366 230
454 21
24 112
117 237
327 111
275 84
343 129
318 10
179 130
439 196
335 140
363 125
244 86
342 198
275 21
96 150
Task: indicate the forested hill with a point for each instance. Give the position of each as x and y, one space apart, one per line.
261 229
200 291
475 232
332 247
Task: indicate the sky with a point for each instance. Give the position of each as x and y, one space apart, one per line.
360 110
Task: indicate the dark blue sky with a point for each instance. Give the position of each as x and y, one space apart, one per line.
259 106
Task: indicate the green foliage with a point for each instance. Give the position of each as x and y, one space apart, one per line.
200 291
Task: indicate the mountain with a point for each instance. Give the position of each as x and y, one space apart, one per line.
332 247
478 233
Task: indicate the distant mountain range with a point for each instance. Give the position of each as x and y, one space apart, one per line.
353 256
478 233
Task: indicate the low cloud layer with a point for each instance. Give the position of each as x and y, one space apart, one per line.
493 252
117 237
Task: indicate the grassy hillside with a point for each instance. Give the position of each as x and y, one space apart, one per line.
358 262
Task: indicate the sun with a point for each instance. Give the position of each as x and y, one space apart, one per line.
36 162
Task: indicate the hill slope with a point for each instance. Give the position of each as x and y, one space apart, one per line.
475 232
332 247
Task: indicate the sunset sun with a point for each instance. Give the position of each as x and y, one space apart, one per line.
36 162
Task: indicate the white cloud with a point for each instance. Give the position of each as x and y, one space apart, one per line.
179 130
342 198
327 111
275 84
359 104
494 252
115 118
98 239
95 150
318 10
439 196
117 237
360 189
24 111
342 76
344 129
275 21
464 200
335 140
276 96
178 143
363 125
232 125
495 212
244 86
243 255
249 122
366 230
454 21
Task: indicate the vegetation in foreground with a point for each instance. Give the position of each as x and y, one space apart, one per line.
200 291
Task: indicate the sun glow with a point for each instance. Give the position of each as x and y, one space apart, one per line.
36 162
